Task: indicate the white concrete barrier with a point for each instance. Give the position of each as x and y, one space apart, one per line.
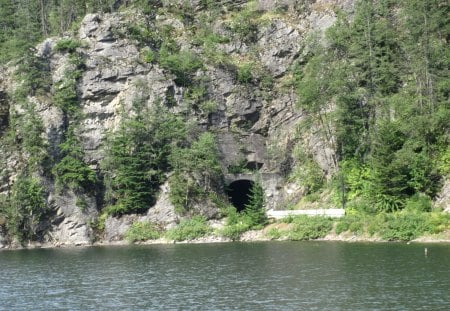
329 212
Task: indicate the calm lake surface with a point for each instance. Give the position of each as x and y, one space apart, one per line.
231 276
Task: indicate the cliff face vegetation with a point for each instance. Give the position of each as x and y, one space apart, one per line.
120 113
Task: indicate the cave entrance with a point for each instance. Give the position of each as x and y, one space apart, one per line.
239 193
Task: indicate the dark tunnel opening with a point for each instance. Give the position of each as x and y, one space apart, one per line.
239 193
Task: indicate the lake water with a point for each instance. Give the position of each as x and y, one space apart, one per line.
231 276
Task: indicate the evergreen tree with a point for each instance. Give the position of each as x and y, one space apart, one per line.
255 207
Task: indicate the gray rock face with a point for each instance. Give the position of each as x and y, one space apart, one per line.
71 224
279 44
254 128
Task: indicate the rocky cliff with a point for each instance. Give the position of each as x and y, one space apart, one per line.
245 97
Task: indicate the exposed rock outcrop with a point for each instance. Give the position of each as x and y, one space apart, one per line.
255 128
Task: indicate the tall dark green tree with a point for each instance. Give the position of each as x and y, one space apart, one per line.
137 158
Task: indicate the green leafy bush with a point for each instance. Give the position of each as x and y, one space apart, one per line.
236 224
244 73
274 233
353 223
419 203
142 231
67 45
189 229
182 64
309 228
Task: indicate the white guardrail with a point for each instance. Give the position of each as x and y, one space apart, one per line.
329 212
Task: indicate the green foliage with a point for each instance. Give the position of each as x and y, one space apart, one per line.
244 73
405 225
197 172
274 233
306 171
399 226
236 224
245 23
148 56
25 208
67 45
189 229
355 223
182 64
309 228
137 157
71 170
254 210
33 73
382 70
142 231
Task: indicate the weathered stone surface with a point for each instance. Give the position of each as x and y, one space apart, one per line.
163 212
71 224
116 227
279 43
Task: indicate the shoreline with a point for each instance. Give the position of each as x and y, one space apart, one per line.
247 237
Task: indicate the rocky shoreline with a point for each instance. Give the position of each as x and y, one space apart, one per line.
247 237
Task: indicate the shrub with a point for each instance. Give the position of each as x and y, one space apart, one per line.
67 45
182 64
308 228
274 233
189 229
244 73
407 225
419 203
353 223
235 231
142 231
148 56
236 224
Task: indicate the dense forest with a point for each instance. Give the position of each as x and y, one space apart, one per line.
376 84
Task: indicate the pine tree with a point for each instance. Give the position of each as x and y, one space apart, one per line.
255 207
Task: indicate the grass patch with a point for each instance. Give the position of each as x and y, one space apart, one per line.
142 231
236 224
189 229
309 228
404 225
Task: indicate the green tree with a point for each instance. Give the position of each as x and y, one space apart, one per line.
255 207
71 171
197 172
26 208
137 158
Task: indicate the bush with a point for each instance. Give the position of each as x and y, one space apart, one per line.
142 231
235 231
182 64
308 228
148 56
67 45
407 225
189 229
244 73
353 223
419 203
236 224
274 233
